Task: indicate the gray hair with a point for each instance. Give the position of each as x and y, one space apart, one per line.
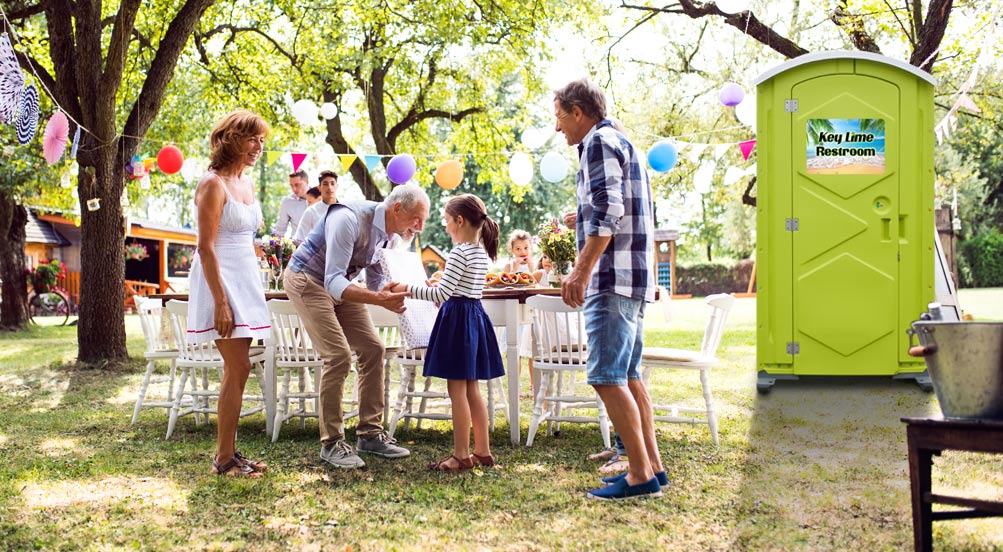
408 195
586 95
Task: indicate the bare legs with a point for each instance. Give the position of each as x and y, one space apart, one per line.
468 411
629 409
236 368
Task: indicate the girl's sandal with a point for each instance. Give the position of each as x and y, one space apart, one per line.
444 466
256 465
234 468
485 461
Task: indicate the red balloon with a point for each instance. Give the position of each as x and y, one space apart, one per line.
170 159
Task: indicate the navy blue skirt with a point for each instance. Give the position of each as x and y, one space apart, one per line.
463 345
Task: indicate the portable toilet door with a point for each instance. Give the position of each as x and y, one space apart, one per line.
844 215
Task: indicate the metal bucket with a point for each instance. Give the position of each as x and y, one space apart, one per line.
965 362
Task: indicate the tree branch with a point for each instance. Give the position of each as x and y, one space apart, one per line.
745 21
931 32
26 12
234 30
415 117
66 60
853 26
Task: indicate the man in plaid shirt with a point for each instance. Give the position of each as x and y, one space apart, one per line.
613 279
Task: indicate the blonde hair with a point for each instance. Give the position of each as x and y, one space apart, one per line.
517 235
229 132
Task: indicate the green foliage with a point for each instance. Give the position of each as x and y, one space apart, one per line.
45 275
984 257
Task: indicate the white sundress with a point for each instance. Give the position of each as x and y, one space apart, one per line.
238 268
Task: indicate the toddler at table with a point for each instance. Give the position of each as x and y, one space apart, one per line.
520 245
462 347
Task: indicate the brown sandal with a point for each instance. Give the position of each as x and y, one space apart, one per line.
485 461
256 465
234 468
461 464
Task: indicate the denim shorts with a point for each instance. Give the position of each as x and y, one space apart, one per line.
614 326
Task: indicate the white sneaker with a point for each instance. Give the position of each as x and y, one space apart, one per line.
340 455
382 445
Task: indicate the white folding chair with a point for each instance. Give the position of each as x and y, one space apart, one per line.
559 356
159 348
196 360
386 325
702 360
294 357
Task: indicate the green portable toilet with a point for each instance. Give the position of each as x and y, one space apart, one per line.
845 227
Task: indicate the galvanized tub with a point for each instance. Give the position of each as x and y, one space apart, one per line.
965 362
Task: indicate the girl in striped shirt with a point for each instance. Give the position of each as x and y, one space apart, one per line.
462 347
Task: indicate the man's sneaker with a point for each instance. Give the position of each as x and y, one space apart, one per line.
383 445
621 490
663 480
340 455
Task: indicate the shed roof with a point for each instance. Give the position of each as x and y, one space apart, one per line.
842 54
40 231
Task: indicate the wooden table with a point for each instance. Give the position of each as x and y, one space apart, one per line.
506 307
928 437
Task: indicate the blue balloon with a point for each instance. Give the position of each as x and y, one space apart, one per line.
662 156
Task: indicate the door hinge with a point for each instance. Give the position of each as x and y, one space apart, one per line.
791 225
793 348
791 106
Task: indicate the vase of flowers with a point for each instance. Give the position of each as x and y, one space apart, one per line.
558 243
135 251
277 252
43 278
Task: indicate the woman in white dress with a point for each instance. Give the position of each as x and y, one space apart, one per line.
226 303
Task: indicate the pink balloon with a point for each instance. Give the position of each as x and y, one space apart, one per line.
57 132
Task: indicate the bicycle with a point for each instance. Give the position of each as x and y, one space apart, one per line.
50 303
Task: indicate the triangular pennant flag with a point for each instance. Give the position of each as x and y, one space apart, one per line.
938 132
372 161
346 161
272 156
966 103
733 175
720 150
298 159
695 151
746 148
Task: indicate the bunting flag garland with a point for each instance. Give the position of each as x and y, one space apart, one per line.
696 150
746 148
297 159
272 156
27 118
720 150
966 103
372 161
346 161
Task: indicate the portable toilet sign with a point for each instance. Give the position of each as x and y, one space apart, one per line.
845 239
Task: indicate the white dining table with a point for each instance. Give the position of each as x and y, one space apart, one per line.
506 308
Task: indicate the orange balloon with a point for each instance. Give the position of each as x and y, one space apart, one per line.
449 174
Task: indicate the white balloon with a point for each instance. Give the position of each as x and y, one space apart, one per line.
520 168
553 167
732 6
535 138
328 110
704 177
746 111
305 111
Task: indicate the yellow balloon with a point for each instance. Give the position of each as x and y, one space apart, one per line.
449 174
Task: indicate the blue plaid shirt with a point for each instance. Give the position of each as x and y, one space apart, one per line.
614 199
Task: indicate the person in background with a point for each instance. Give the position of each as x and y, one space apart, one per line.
543 268
328 186
613 279
520 247
292 206
319 284
312 197
462 348
225 300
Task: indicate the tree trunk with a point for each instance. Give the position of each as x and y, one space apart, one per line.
101 331
14 307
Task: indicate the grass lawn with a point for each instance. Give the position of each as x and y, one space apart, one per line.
818 464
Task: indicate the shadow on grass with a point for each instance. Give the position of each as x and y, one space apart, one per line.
828 465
